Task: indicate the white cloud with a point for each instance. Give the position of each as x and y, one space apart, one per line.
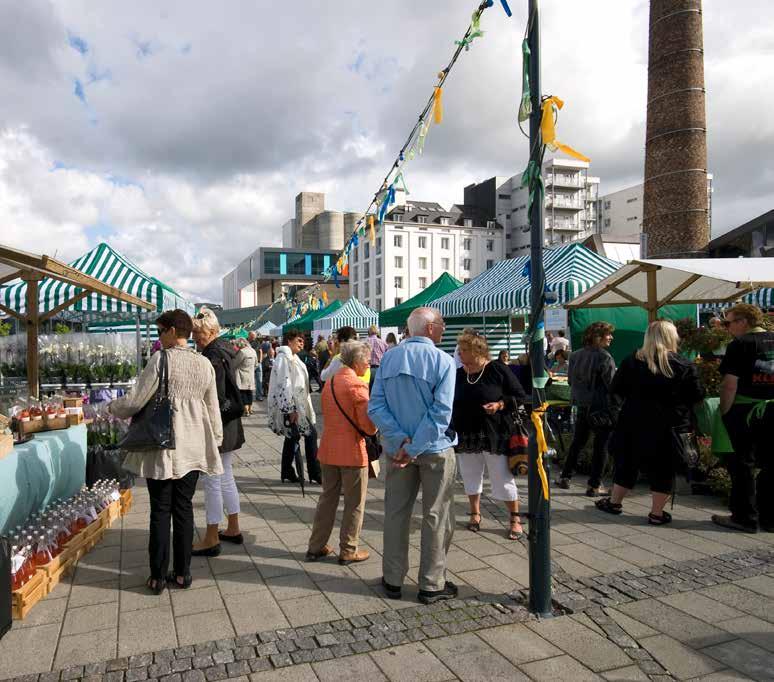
189 154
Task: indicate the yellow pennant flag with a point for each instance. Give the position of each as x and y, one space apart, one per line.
325 297
371 230
548 130
438 105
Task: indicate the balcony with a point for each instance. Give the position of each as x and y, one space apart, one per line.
562 180
562 203
563 225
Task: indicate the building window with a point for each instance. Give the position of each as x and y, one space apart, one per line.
378 266
378 245
366 271
354 270
318 263
445 243
367 289
445 265
354 290
271 263
466 264
397 217
489 264
422 241
490 244
398 300
466 244
607 222
444 220
399 282
631 218
378 286
423 282
397 240
423 263
422 219
468 222
354 256
398 261
631 201
378 307
367 250
490 224
504 197
607 204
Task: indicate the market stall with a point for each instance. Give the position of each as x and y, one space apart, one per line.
305 323
351 314
397 316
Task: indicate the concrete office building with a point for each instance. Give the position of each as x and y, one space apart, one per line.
417 243
268 273
570 205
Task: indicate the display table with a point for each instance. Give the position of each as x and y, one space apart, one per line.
52 465
558 390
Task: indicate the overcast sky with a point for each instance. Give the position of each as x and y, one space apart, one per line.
181 131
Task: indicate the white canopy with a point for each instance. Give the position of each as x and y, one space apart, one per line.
651 284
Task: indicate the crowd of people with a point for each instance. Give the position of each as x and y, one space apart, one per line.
435 417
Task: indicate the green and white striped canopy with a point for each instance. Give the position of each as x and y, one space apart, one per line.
763 298
107 265
352 314
570 270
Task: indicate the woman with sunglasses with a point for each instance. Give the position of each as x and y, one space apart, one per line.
171 475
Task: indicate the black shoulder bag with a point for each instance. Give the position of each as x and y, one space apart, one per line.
232 406
373 446
604 415
152 427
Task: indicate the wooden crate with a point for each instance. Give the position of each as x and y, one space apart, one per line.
32 426
55 423
28 595
113 512
74 419
55 570
126 501
72 402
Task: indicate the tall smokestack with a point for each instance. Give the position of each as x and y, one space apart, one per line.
676 213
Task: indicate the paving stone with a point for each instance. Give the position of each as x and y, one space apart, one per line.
180 665
140 660
361 647
92 678
246 640
160 669
359 667
194 676
411 663
745 657
217 672
47 677
72 673
172 678
223 656
202 662
281 660
238 668
114 676
680 660
631 673
165 655
259 665
267 649
136 674
559 669
244 653
184 652
302 656
101 667
469 657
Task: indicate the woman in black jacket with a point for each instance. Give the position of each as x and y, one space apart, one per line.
220 491
659 389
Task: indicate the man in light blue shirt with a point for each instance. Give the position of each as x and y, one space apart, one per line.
411 403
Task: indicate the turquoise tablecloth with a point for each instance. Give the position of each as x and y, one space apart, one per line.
50 466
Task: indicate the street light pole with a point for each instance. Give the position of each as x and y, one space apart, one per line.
539 506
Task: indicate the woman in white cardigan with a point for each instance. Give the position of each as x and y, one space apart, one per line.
171 475
246 362
290 407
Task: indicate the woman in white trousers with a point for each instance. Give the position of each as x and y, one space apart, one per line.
220 491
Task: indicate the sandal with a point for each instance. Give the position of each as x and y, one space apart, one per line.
662 520
608 506
475 527
173 582
515 534
155 585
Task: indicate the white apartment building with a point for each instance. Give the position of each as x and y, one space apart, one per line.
620 213
570 204
417 243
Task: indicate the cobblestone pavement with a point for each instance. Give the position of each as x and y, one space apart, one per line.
686 601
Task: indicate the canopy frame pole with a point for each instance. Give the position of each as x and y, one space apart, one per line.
653 304
12 313
680 289
138 339
31 319
51 313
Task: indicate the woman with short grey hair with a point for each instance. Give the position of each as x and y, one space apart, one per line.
343 456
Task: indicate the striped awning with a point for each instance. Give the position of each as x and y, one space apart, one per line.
763 298
570 270
107 265
352 314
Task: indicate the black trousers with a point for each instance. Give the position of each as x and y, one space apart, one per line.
171 500
581 436
312 465
751 500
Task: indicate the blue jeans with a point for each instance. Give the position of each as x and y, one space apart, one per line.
259 382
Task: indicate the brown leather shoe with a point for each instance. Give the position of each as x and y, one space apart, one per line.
346 558
314 556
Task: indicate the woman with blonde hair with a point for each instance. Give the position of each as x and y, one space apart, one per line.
659 389
220 490
486 393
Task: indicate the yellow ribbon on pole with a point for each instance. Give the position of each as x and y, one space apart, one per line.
438 105
542 446
548 129
371 230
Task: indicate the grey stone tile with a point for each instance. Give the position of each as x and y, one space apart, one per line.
309 610
592 650
45 612
600 561
240 582
90 618
203 627
762 584
701 607
146 630
631 673
254 612
515 567
411 663
351 597
559 669
186 602
680 660
95 593
752 629
139 597
741 599
675 623
745 657
353 669
470 658
28 650
725 676
531 646
292 586
295 673
90 647
633 627
489 581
